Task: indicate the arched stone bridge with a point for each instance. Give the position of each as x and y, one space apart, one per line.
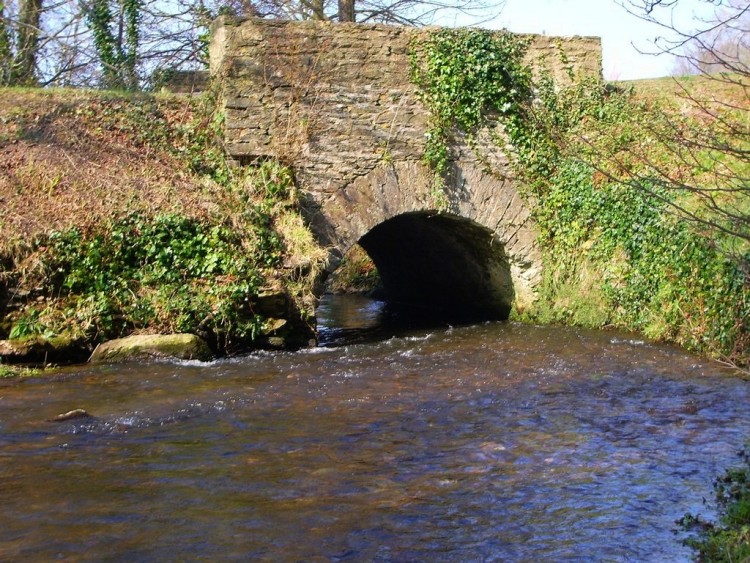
335 102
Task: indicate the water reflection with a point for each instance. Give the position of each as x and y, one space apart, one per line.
350 318
343 318
491 442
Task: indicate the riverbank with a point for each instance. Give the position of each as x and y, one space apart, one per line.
122 217
642 210
727 540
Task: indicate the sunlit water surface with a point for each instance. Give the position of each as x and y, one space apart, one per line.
495 442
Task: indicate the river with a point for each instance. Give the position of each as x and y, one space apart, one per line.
492 442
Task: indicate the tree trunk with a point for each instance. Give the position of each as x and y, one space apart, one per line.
318 9
346 10
24 63
6 58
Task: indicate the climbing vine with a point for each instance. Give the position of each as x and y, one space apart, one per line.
464 76
613 252
6 52
645 268
117 53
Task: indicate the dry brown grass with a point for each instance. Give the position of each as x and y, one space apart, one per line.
87 160
67 159
686 94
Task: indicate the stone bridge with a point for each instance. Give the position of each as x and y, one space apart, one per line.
335 102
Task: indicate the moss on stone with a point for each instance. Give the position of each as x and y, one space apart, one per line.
144 346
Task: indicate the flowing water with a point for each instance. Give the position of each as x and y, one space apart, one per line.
494 442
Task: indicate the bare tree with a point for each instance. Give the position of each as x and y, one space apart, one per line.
40 42
94 43
405 12
19 41
719 44
710 139
346 11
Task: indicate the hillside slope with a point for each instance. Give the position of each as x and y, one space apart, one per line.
121 216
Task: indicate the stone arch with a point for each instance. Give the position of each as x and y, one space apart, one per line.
474 253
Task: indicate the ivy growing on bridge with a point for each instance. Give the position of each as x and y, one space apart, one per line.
615 254
464 76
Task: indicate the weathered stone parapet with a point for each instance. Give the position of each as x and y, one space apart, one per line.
335 101
186 82
331 99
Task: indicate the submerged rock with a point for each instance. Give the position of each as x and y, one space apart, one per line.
180 346
70 415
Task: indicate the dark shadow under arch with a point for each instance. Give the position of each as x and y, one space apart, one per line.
447 264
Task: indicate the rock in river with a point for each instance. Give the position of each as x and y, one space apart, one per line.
70 415
181 346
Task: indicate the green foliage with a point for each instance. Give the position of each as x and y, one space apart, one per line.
612 239
356 273
197 264
729 540
166 273
199 142
17 371
29 325
132 16
272 182
6 52
464 75
660 275
118 53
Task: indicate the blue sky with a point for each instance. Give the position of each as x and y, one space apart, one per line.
622 33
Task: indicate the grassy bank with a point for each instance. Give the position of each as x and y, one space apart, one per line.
627 239
121 216
356 274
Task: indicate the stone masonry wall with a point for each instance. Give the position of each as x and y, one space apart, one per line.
335 102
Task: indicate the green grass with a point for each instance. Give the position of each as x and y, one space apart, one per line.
7 371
